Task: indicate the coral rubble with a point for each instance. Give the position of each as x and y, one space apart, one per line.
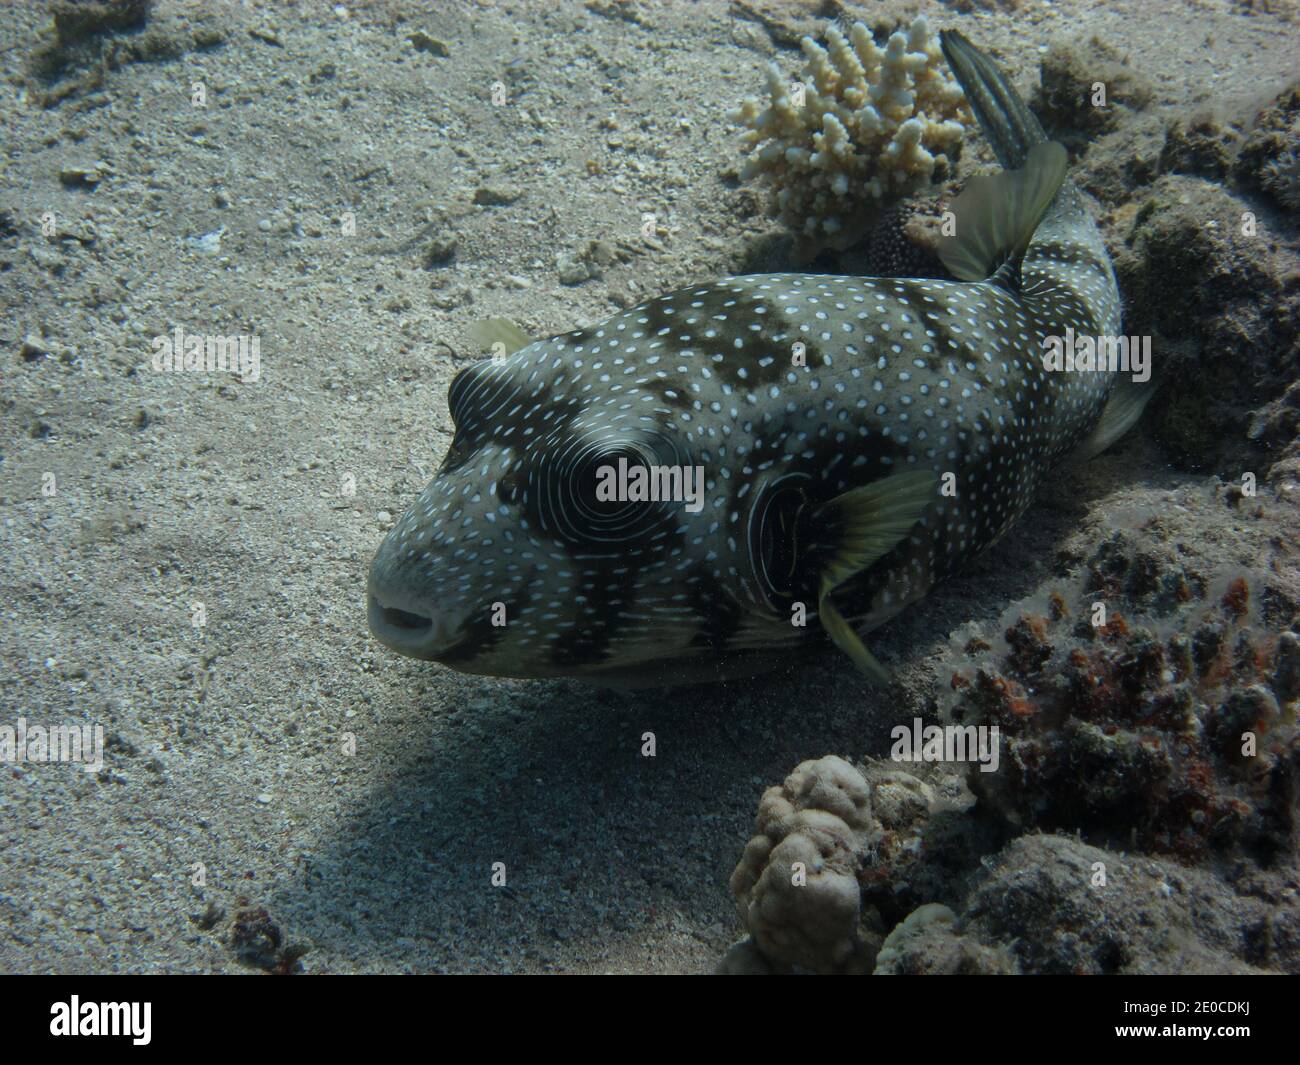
1171 733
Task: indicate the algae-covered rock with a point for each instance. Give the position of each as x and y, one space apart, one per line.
1086 87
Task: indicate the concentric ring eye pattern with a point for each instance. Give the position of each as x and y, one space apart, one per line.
564 480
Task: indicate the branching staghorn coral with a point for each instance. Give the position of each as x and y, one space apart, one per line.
875 124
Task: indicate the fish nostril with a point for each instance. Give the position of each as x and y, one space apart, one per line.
404 619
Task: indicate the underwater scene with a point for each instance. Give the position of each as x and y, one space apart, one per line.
650 487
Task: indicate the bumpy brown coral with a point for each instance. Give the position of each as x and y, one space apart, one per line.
1201 274
876 124
864 837
1176 734
1269 158
927 941
1085 88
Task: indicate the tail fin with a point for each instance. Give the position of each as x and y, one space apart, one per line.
1008 124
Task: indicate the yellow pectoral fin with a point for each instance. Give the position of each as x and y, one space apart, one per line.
869 522
849 642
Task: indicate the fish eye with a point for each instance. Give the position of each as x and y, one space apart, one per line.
599 472
584 494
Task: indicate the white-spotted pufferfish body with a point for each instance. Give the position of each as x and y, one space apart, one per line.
860 439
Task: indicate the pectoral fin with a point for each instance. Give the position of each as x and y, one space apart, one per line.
1128 398
848 641
868 523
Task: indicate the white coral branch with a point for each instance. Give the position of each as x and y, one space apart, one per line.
875 124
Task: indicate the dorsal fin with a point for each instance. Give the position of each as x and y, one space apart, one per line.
501 331
996 216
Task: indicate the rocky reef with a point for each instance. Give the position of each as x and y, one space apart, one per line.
1175 734
1148 770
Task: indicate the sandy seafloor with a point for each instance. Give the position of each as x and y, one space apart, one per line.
227 741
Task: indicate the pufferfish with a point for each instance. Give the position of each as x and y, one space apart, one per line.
860 438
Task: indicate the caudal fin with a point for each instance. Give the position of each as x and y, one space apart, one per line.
1009 125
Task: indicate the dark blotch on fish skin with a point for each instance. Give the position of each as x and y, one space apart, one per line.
719 614
480 635
590 644
657 317
777 339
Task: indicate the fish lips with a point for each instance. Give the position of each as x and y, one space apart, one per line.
403 625
406 632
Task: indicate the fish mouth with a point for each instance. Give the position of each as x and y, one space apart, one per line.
405 631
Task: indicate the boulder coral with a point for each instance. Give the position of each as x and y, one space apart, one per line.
796 884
